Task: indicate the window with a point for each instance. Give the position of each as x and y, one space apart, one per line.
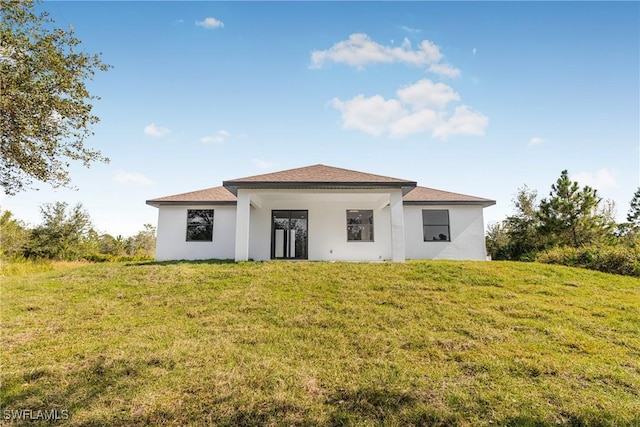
435 225
359 225
199 225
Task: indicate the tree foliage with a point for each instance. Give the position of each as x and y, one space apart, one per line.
45 109
109 245
517 236
14 236
633 216
67 233
570 215
523 226
143 243
63 234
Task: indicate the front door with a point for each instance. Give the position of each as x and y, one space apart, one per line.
289 235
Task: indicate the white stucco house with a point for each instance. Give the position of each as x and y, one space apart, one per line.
320 213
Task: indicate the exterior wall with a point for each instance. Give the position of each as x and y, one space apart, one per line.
466 226
172 231
327 228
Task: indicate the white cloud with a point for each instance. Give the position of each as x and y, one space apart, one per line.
425 93
420 121
419 108
410 30
464 121
157 131
444 70
371 115
220 136
359 50
122 177
262 164
210 23
602 179
536 140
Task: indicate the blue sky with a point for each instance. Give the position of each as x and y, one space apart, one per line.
472 97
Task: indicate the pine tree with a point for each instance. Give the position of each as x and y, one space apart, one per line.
570 215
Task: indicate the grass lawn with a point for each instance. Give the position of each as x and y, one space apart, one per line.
279 343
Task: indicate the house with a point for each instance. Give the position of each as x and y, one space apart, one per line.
320 213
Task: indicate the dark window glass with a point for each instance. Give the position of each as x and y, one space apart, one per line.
435 225
199 225
360 225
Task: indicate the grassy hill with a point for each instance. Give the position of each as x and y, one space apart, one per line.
422 343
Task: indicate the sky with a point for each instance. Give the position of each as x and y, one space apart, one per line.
478 98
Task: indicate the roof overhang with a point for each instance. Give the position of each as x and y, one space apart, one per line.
483 203
157 204
234 186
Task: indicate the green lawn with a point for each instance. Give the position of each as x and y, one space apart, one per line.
279 343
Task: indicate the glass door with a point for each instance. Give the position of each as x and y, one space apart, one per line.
289 234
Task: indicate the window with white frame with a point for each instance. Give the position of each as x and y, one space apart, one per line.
359 225
435 225
199 225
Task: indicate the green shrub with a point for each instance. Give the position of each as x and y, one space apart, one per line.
101 257
98 257
609 259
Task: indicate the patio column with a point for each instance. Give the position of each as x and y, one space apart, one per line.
397 226
243 212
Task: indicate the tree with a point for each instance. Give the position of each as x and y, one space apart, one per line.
517 237
633 216
523 227
14 236
498 241
112 245
143 243
570 215
45 109
62 235
629 232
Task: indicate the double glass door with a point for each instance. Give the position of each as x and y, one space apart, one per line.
289 234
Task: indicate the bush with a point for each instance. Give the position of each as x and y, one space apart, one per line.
608 259
101 257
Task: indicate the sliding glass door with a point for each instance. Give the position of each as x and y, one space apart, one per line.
289 235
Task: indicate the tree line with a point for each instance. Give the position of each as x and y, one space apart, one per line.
67 233
572 226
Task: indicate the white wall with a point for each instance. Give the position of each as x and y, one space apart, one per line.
327 230
326 227
172 234
466 225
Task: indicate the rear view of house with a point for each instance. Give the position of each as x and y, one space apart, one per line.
320 213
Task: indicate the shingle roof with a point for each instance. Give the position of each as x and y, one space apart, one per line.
319 174
419 195
424 195
216 195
